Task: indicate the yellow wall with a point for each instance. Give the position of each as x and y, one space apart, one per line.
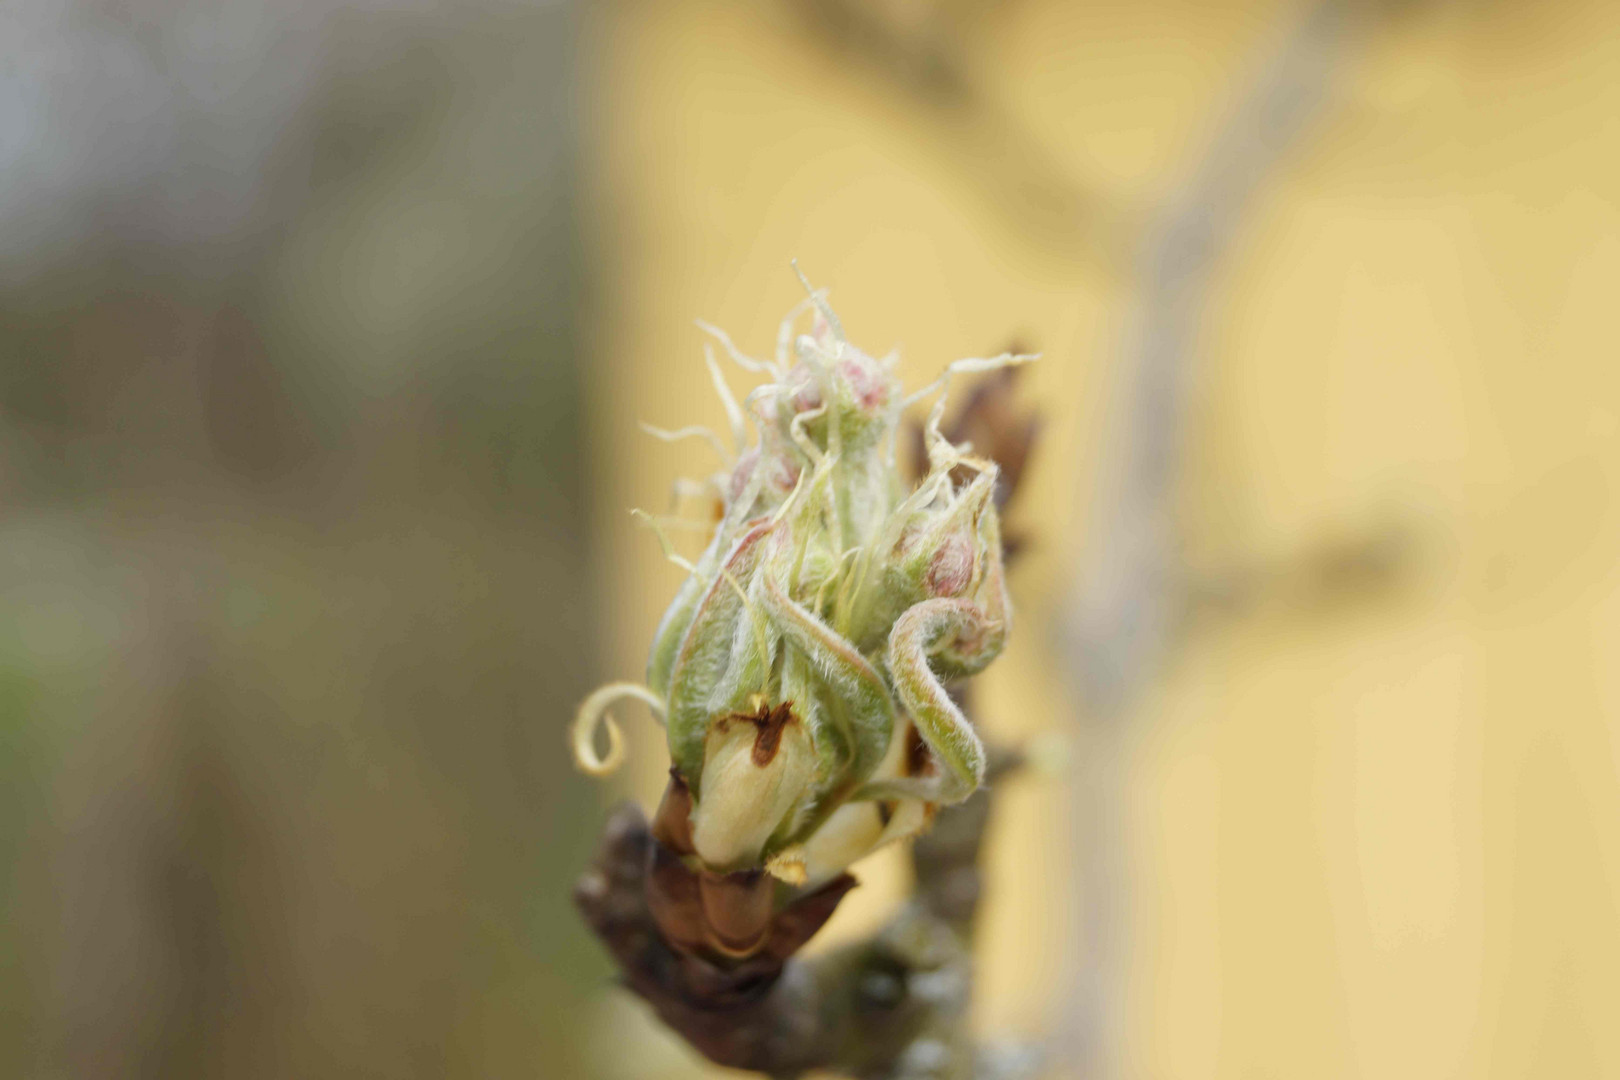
1370 832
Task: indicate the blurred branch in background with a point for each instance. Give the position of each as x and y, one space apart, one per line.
294 543
1131 593
923 51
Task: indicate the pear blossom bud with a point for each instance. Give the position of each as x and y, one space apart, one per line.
856 830
798 668
755 770
950 567
867 383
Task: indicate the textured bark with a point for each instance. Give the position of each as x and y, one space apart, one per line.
892 1006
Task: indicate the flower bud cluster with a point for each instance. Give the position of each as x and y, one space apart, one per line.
799 669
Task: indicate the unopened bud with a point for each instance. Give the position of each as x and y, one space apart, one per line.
756 768
857 829
798 669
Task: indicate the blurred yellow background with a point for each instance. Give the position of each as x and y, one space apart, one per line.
325 329
1370 823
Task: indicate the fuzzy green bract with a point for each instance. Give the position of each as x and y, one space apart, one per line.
833 587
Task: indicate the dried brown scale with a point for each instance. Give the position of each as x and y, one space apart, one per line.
675 901
733 1012
672 824
770 722
854 1010
737 910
